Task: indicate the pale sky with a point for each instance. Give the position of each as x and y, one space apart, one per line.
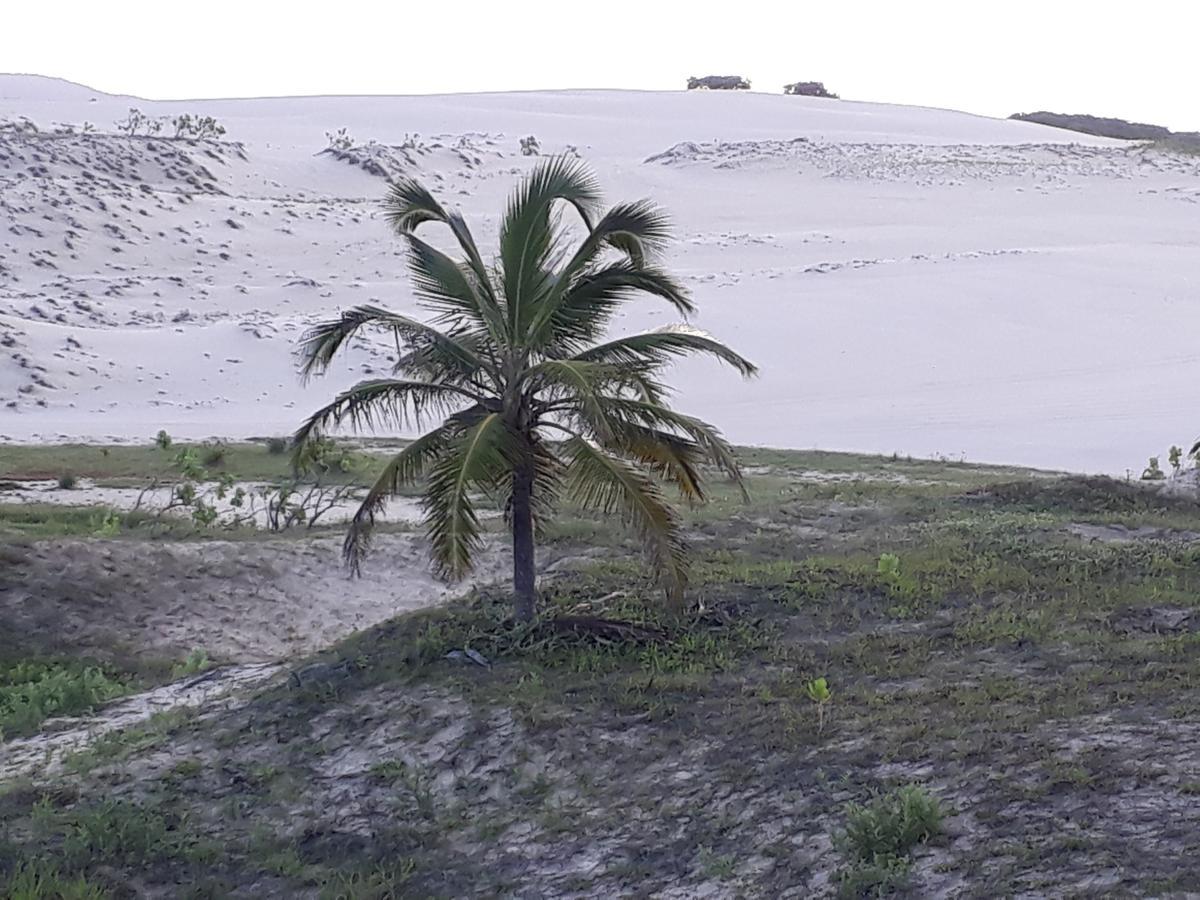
1136 61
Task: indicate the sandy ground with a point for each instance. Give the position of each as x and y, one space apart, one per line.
910 280
243 601
159 500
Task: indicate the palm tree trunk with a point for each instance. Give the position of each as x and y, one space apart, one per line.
522 528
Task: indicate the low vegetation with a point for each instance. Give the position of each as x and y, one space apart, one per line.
900 678
1117 128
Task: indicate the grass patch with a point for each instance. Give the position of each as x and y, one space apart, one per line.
32 692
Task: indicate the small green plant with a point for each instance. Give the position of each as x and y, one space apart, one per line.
717 865
1175 458
277 446
819 693
1152 472
108 525
162 440
67 482
880 835
891 825
197 661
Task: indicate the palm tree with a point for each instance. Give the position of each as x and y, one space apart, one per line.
532 407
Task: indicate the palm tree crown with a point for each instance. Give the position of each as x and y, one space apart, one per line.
532 403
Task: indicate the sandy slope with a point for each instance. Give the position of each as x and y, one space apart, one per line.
910 280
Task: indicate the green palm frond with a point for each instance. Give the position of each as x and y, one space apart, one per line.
452 290
403 469
618 410
600 481
320 343
585 310
385 402
655 349
529 238
409 204
640 230
478 459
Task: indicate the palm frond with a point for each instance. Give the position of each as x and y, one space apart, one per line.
547 485
405 468
598 480
380 402
479 458
409 203
668 456
621 411
583 313
528 233
453 290
655 349
320 343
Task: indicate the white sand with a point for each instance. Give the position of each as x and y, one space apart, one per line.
911 280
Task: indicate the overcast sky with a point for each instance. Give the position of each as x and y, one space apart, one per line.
1136 61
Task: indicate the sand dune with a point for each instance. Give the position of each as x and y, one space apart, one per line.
909 279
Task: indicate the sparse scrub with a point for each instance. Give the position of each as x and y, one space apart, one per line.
67 482
1153 472
197 127
112 830
339 140
277 446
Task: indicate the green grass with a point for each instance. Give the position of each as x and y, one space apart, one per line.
32 692
40 879
39 521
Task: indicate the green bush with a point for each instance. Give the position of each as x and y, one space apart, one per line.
892 824
880 835
277 446
67 481
162 440
30 693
